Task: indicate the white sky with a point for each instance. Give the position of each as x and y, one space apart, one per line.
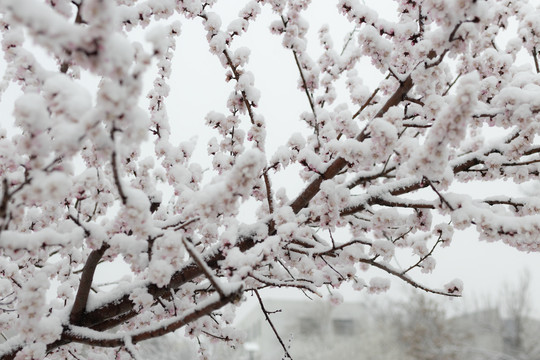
197 87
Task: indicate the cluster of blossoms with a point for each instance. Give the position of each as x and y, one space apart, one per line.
378 163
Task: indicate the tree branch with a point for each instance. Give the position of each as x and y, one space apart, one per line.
303 199
535 57
117 178
368 101
265 312
236 75
202 265
405 278
81 299
268 192
96 338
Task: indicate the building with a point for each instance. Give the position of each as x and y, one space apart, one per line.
310 330
313 330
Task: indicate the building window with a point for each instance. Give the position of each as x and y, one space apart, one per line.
309 326
343 327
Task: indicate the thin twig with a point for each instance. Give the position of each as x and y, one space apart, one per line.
130 349
204 267
181 225
436 62
265 312
368 101
422 258
78 223
535 57
452 84
301 284
405 278
439 194
304 84
186 223
332 238
349 39
331 267
236 75
72 354
222 338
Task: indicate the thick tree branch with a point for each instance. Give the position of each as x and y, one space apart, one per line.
120 310
96 338
116 176
65 108
303 199
81 299
268 187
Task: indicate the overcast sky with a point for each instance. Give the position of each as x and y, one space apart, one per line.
197 87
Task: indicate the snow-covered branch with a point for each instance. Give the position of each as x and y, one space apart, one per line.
396 116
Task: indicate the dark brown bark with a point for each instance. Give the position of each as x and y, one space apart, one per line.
337 165
120 310
87 276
